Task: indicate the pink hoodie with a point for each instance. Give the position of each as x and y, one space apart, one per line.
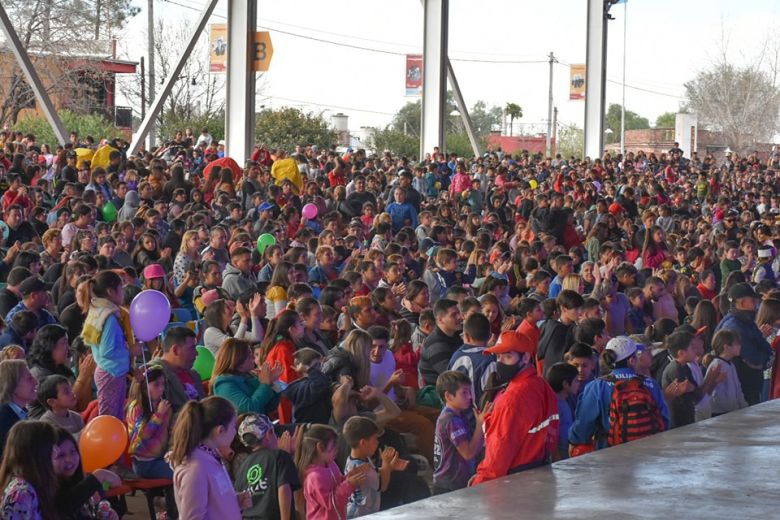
326 492
204 489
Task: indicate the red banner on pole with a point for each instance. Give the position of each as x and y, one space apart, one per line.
414 71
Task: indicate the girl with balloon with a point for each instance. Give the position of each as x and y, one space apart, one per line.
149 418
107 331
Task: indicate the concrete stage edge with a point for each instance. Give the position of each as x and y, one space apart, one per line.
722 468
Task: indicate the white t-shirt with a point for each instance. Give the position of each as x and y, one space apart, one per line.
381 372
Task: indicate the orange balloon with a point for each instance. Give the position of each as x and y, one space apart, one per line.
102 442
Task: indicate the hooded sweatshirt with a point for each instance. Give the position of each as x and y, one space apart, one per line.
130 206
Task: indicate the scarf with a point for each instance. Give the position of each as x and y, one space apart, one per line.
99 311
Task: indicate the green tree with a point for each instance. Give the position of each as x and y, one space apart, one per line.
409 118
85 124
633 122
666 120
484 117
514 111
571 141
396 141
286 127
173 122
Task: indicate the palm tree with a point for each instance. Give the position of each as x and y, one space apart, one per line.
514 111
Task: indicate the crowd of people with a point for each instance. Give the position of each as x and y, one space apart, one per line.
354 331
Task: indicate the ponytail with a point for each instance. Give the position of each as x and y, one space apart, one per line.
315 439
195 422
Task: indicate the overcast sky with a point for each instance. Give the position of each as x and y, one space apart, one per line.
668 41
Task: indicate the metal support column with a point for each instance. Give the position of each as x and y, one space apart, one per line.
596 77
464 111
434 97
240 102
548 145
173 76
23 59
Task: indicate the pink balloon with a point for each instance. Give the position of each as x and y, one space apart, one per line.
150 312
309 211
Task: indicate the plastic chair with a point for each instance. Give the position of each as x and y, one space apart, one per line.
150 487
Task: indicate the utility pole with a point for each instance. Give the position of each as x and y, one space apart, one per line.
555 132
143 89
548 148
150 28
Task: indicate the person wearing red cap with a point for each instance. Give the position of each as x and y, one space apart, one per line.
522 430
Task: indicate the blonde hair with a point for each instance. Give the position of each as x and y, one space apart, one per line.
572 282
232 353
185 239
358 344
11 352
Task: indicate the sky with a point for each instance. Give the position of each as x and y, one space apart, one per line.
506 43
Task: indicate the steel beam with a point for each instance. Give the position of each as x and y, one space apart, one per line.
596 77
464 111
23 59
434 97
240 99
173 76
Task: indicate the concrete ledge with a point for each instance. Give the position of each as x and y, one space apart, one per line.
722 468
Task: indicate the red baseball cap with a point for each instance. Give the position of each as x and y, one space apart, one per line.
511 341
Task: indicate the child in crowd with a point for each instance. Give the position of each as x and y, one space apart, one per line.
424 328
456 444
362 437
406 357
727 394
682 349
107 331
56 395
310 394
201 483
325 490
637 319
268 473
564 380
558 335
471 358
80 497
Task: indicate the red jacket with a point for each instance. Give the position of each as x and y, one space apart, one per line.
522 429
283 352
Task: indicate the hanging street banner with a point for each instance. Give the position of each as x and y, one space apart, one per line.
218 42
577 81
414 71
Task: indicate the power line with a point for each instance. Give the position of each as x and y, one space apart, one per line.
325 105
633 87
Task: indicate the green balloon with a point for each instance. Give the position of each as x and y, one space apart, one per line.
265 240
109 212
204 362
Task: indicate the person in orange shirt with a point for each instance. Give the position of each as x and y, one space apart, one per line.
280 343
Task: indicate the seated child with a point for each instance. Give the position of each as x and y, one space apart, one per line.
267 473
310 395
563 378
456 445
56 395
406 358
362 436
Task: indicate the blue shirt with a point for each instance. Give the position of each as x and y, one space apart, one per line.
473 362
592 413
44 316
18 410
399 213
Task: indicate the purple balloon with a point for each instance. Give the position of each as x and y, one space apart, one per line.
150 312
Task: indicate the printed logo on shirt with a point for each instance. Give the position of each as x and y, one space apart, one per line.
254 477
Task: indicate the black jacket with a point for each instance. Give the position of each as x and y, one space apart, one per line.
7 419
310 397
435 356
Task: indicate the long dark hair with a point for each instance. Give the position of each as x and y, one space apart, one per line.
278 330
27 455
63 436
139 391
42 347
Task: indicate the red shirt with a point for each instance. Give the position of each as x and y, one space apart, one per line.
522 429
283 352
